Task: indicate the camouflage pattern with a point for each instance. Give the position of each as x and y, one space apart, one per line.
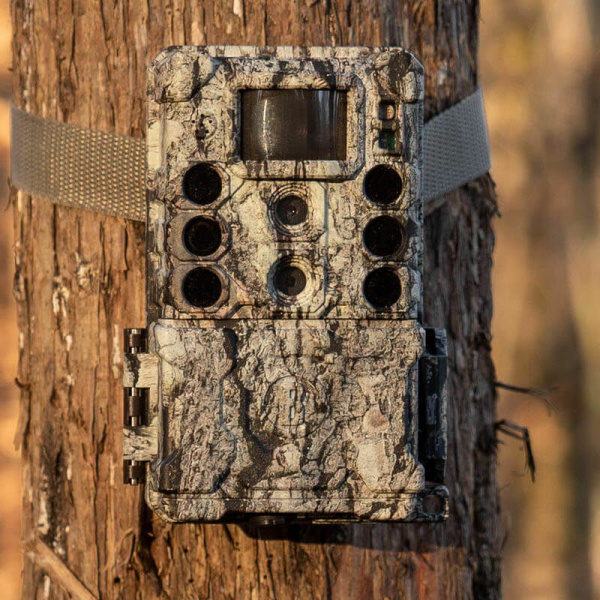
306 406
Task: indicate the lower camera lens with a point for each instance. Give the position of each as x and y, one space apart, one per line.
289 279
382 288
291 210
202 236
202 287
383 236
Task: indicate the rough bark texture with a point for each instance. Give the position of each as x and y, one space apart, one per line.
80 279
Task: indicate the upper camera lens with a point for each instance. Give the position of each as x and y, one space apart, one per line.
383 236
383 185
291 210
202 236
202 184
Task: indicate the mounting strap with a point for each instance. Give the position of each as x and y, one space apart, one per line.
105 172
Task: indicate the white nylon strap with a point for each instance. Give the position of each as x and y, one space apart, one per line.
104 172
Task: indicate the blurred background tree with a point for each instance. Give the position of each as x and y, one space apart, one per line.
541 72
10 471
540 68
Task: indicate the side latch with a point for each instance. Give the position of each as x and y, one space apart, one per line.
433 440
135 407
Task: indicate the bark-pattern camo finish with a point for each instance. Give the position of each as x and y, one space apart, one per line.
304 406
194 117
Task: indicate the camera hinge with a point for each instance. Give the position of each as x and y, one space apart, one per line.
136 407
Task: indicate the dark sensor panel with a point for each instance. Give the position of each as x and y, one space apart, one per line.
293 125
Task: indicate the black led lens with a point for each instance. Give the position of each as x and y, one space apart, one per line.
202 236
383 185
202 287
289 279
383 236
202 184
382 288
291 210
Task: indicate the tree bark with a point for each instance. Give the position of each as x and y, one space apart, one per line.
80 280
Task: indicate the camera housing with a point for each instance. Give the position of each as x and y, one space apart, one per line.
284 371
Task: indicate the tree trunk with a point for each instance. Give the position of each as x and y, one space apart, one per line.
80 280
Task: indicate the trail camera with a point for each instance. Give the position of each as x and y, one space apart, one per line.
284 373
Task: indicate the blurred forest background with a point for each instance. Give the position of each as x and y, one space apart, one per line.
540 66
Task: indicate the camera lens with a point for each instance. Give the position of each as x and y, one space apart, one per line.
383 236
291 210
202 236
202 184
289 279
202 287
382 288
383 185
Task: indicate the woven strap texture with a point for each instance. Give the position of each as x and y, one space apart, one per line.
76 166
105 172
456 147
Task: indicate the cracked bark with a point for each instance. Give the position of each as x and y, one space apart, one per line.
80 280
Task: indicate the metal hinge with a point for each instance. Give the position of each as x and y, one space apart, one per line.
135 406
135 399
134 472
135 340
433 440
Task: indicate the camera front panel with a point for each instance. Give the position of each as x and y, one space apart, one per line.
285 185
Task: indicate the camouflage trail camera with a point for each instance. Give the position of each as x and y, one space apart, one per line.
284 372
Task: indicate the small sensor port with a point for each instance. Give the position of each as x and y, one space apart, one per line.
387 140
387 110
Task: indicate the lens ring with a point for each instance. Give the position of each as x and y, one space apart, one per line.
289 280
202 236
202 184
382 288
383 236
382 185
202 287
291 210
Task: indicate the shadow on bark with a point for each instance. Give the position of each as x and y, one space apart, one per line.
376 536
